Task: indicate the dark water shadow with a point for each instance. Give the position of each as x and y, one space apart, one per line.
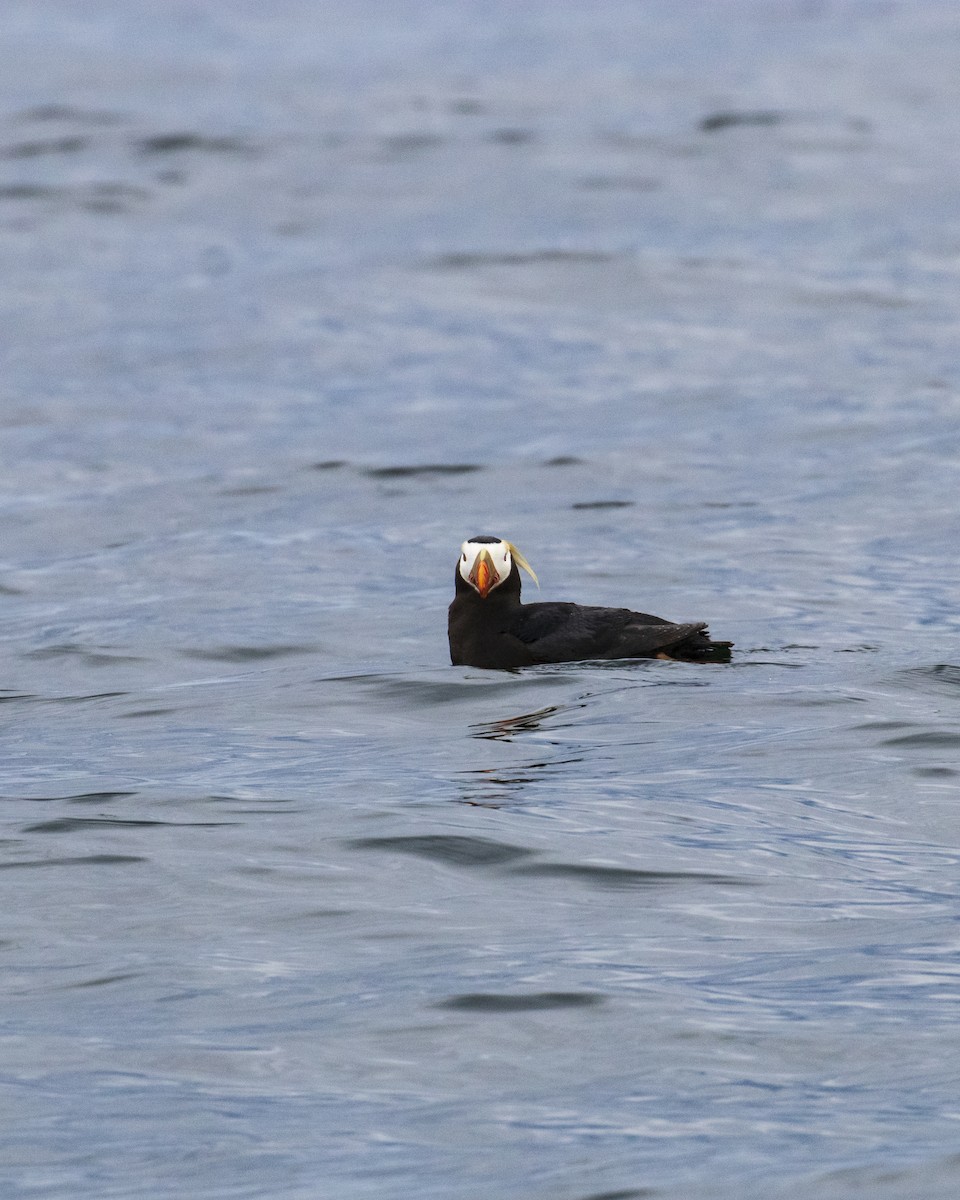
145 713
451 849
585 505
620 183
460 850
471 261
405 145
79 824
243 654
96 656
423 470
731 119
251 489
105 197
41 113
623 878
79 798
420 693
187 140
81 860
643 1193
926 739
101 981
512 135
69 144
499 1002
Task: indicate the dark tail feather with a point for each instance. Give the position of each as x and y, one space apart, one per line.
699 648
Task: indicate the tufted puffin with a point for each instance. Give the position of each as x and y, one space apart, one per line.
489 627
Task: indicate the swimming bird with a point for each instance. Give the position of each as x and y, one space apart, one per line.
489 627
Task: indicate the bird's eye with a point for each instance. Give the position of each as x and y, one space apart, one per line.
463 558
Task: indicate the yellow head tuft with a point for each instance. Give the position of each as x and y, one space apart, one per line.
522 562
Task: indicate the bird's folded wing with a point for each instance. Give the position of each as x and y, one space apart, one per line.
558 632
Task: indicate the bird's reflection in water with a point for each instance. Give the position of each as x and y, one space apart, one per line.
507 728
493 787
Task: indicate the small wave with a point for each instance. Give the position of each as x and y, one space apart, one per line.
425 469
81 860
45 146
180 141
927 737
467 261
69 112
401 144
75 824
506 728
240 654
102 980
97 656
941 678
512 136
79 798
729 119
499 1002
453 849
596 504
622 877
425 692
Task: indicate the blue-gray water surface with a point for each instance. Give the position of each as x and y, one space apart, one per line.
295 298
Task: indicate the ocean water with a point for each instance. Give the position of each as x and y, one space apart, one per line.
294 301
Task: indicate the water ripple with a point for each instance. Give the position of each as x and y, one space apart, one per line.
81 860
941 679
452 849
497 1002
622 878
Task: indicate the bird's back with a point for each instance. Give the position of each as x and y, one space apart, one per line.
563 632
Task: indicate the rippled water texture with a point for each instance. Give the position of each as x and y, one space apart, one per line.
296 297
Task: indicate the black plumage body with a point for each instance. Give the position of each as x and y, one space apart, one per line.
498 631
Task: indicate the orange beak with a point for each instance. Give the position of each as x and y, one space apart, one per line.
484 575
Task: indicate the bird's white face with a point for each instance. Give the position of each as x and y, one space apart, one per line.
486 564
